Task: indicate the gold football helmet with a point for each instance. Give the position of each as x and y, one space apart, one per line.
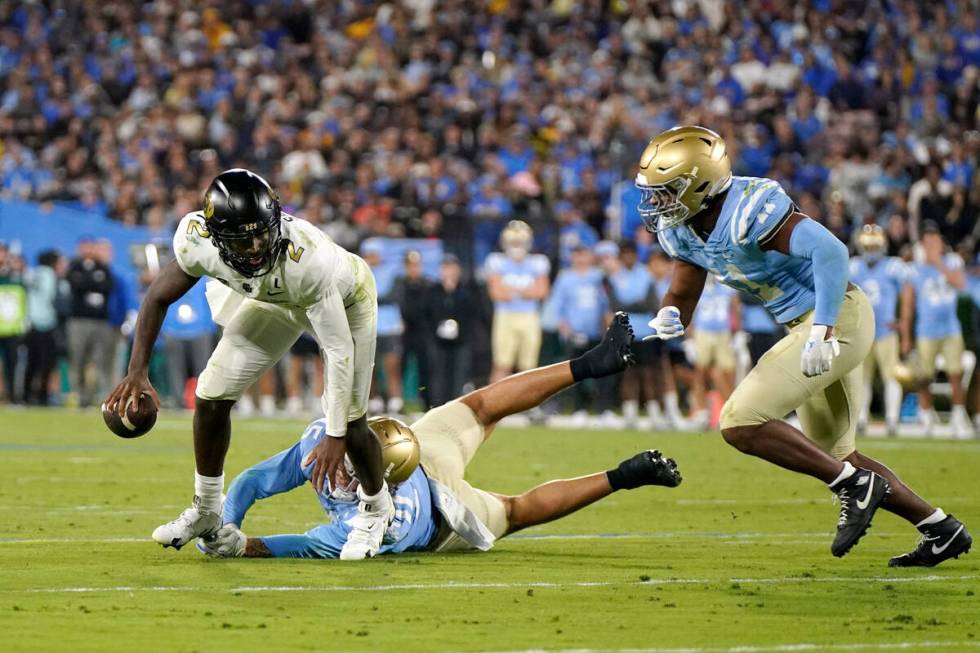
681 170
399 448
516 235
872 240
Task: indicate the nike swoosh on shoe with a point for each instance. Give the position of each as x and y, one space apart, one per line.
863 503
936 550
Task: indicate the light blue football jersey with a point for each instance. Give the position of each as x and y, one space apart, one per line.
714 310
752 213
580 301
411 530
518 275
882 282
632 285
935 300
756 319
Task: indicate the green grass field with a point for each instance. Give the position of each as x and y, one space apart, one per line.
709 566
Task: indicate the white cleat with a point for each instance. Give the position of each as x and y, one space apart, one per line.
193 522
368 527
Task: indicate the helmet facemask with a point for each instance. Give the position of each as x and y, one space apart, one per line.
253 250
660 205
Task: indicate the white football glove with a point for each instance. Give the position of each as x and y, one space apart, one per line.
667 324
818 351
228 542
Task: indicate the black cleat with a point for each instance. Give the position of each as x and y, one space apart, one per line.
947 539
645 468
860 496
615 352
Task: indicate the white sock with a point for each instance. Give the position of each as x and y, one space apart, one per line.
893 401
267 405
934 518
653 410
208 491
671 406
845 473
631 410
372 499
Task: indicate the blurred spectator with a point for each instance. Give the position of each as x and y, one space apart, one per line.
763 332
715 319
91 338
13 317
42 313
452 307
390 328
580 302
666 358
631 289
411 289
188 338
574 232
517 282
935 281
304 376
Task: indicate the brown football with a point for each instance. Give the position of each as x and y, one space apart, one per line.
138 420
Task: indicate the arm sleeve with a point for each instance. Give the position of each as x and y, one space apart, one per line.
329 321
291 546
276 475
828 255
321 542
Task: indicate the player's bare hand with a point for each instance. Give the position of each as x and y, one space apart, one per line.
327 458
128 392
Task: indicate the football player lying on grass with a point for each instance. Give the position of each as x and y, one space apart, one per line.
436 509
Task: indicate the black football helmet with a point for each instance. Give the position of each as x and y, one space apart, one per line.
243 216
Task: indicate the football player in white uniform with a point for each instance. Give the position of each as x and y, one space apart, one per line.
274 276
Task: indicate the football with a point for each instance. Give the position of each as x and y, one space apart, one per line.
139 419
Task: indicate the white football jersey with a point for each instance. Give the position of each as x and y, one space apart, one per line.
311 266
317 282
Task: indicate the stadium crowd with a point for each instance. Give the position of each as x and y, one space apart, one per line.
448 120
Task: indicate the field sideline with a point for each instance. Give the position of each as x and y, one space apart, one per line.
712 566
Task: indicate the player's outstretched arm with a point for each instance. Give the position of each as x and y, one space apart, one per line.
170 285
520 392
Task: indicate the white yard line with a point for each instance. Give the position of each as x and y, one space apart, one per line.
514 585
773 648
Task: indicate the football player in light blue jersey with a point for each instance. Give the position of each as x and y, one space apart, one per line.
631 289
936 280
517 281
883 279
714 347
748 234
390 328
581 305
436 509
671 352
